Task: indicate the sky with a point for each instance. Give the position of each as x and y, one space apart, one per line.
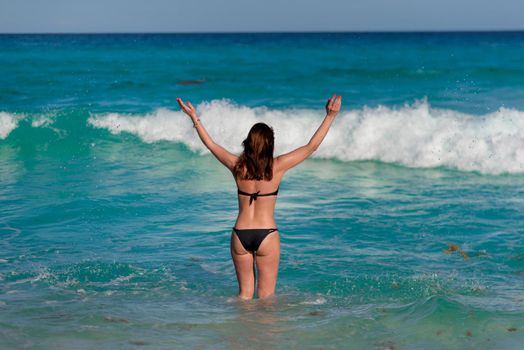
79 16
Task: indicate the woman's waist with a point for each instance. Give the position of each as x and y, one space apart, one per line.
255 223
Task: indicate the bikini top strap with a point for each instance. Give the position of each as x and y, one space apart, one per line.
254 196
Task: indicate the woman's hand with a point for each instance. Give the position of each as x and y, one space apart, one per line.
187 108
333 105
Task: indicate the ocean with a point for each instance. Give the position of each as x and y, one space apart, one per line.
403 231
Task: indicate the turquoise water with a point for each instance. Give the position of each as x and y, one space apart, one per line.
404 231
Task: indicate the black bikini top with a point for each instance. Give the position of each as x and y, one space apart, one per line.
254 196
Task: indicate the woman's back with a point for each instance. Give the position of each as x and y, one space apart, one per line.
257 200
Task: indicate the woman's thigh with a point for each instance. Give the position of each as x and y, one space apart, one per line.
243 261
267 261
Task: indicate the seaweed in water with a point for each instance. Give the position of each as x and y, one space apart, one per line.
455 248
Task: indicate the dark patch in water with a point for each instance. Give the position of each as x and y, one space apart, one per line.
440 331
195 258
517 257
469 334
115 319
138 342
316 313
56 316
191 82
512 329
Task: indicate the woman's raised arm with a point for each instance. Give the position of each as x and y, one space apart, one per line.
224 156
295 157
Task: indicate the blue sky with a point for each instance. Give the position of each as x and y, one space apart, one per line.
38 16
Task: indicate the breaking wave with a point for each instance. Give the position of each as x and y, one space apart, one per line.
414 135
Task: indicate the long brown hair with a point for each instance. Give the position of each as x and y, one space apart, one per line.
256 162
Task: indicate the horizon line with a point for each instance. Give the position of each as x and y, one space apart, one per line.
429 31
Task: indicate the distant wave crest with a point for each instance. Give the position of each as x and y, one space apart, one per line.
415 135
10 121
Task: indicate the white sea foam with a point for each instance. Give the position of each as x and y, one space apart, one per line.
317 301
414 135
8 122
41 120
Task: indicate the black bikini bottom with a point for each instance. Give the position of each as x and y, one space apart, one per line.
252 238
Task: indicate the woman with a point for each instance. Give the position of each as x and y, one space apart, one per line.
255 243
